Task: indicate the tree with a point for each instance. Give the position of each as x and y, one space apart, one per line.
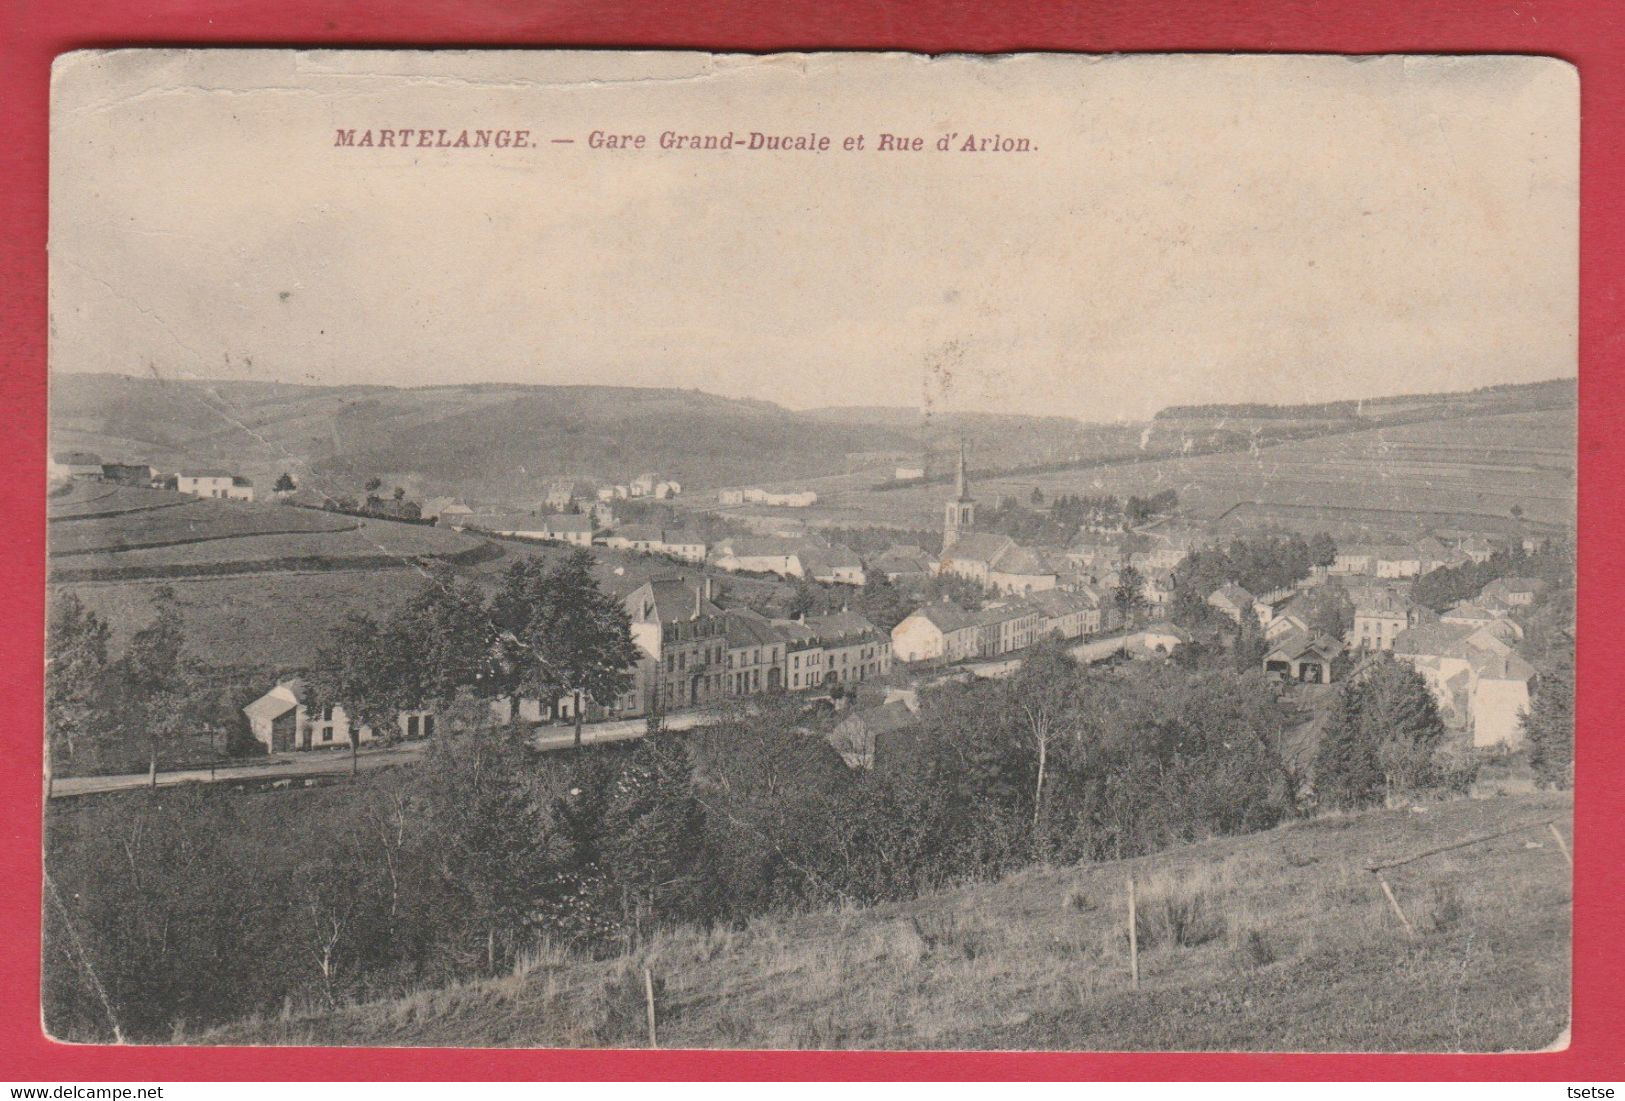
373 484
880 602
1549 725
400 493
1381 738
1037 497
803 600
76 670
284 483
1328 610
1322 550
156 678
1130 592
488 838
563 635
1045 698
1251 646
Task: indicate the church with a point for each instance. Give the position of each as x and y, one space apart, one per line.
989 559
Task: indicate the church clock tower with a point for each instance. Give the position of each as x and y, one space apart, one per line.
959 515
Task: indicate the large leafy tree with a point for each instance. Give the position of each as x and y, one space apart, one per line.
438 645
1381 737
156 679
1130 592
76 669
1045 696
564 636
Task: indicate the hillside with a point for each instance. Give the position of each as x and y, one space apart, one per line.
1274 941
497 441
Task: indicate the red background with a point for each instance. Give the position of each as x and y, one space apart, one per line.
1588 34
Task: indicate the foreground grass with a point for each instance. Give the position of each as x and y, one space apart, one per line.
1276 941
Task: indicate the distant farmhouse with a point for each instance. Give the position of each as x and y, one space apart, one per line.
222 484
753 496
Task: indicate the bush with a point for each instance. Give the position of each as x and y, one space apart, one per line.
1253 949
1181 916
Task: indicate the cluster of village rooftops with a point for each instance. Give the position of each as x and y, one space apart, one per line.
695 653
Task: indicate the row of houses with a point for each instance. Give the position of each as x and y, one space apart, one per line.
693 653
696 653
193 481
810 556
944 632
776 499
1408 560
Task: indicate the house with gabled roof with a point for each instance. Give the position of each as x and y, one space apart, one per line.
280 721
1303 657
1479 680
904 561
684 638
1232 600
940 631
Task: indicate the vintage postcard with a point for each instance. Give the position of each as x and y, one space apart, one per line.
629 549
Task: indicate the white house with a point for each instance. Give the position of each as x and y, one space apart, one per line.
936 632
208 483
1478 678
282 723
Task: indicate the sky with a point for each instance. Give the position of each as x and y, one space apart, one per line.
1179 229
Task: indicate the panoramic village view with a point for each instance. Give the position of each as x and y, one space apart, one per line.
535 715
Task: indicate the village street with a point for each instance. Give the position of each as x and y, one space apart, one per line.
312 764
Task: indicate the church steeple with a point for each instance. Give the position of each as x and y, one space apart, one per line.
959 517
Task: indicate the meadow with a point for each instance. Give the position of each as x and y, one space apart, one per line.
1278 941
1463 473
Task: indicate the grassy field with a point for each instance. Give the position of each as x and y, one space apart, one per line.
1273 942
192 521
278 620
1462 472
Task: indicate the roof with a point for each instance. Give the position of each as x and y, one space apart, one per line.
979 546
748 628
567 522
1019 560
1298 643
1004 613
1057 602
1469 611
278 701
839 625
885 718
1234 594
831 557
763 546
1381 602
1163 627
944 616
203 472
673 598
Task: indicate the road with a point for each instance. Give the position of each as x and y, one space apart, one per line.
318 763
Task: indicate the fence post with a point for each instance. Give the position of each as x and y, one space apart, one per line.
1133 939
1394 902
649 1002
1561 843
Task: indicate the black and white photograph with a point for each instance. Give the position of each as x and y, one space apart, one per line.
663 549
